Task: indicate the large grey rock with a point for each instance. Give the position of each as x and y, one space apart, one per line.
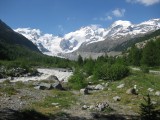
43 86
47 86
52 77
84 91
91 87
57 86
99 87
132 91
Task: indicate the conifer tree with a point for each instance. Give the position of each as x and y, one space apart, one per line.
148 111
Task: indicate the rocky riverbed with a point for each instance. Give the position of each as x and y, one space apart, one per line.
62 74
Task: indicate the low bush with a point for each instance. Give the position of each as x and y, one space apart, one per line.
111 72
77 81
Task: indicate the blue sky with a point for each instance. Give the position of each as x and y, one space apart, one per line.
62 16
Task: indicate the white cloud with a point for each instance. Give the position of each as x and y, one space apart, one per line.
111 15
144 2
118 12
105 18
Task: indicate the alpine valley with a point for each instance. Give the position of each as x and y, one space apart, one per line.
91 40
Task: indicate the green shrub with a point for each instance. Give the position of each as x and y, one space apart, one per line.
148 110
77 81
111 72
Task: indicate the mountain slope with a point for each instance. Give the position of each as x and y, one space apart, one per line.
123 46
90 38
13 45
7 35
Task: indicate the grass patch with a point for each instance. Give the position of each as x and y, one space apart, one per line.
6 82
20 84
143 82
64 99
9 90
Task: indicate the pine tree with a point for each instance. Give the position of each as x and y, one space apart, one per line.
148 111
135 56
80 60
149 56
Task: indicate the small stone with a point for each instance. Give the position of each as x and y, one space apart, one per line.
55 103
150 89
84 107
154 102
120 86
157 93
131 91
84 91
92 107
107 84
116 98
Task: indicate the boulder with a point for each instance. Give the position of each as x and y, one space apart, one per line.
52 77
43 86
99 87
91 87
121 86
131 91
47 86
116 98
57 86
84 91
157 93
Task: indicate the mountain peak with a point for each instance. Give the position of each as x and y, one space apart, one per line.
121 23
92 35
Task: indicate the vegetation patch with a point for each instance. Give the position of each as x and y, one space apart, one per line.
55 102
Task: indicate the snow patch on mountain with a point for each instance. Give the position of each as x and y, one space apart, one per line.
55 45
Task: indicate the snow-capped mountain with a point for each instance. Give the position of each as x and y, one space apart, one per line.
117 33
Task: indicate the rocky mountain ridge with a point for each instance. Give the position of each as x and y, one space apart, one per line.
91 38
